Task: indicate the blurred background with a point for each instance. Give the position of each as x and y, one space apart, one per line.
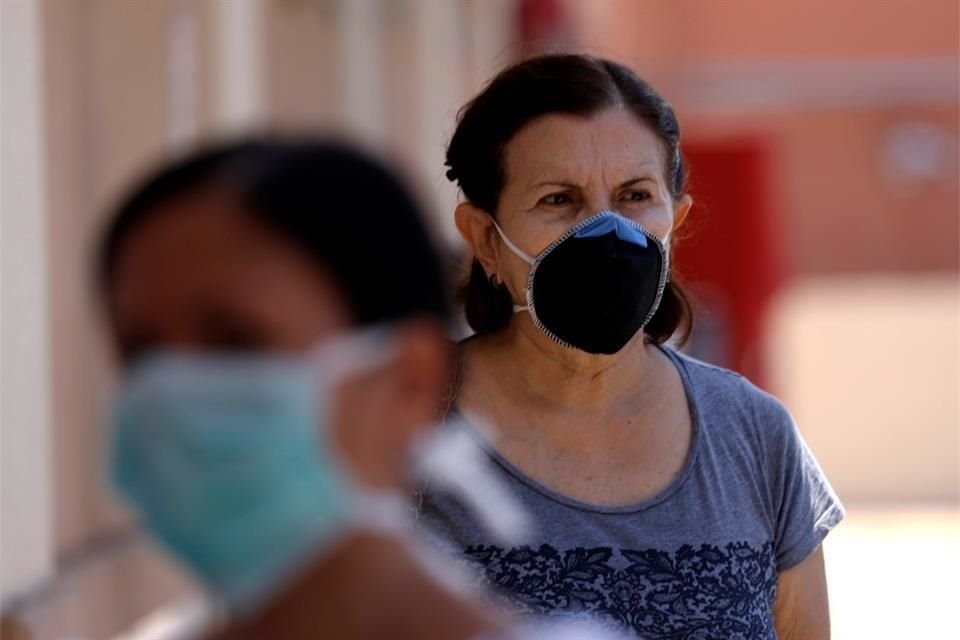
823 248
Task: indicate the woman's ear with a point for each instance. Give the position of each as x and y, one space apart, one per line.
381 413
681 211
423 368
476 228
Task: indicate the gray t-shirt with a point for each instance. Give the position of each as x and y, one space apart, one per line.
700 560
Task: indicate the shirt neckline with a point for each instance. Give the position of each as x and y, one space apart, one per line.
666 492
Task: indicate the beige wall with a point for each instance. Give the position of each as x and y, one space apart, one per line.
870 368
845 202
679 31
858 102
389 74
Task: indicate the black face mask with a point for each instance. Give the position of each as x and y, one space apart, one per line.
596 285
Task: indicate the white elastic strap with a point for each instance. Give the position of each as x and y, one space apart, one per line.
357 353
520 253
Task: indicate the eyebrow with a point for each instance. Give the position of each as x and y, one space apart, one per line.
570 185
555 183
633 181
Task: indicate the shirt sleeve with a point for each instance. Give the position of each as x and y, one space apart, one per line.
804 507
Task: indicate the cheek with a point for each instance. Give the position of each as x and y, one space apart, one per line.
534 231
659 222
530 237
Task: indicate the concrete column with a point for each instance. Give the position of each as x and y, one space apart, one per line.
26 515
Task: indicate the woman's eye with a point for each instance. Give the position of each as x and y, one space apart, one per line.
130 348
556 199
639 195
224 332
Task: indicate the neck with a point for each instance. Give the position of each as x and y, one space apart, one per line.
557 377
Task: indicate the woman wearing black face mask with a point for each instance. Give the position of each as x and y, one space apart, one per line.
674 499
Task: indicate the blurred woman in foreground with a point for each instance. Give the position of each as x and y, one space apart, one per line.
279 316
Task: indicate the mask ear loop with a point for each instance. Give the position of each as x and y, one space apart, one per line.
517 251
363 351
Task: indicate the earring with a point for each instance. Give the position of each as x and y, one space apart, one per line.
494 280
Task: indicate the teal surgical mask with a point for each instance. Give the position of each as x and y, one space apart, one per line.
229 463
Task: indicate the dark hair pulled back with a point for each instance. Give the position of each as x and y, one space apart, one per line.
566 84
305 190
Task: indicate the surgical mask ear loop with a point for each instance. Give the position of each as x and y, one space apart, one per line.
363 351
517 251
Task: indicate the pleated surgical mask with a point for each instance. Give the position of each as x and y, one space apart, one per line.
229 462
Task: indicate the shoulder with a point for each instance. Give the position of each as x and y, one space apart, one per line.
723 396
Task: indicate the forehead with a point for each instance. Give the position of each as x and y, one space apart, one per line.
205 249
197 235
569 147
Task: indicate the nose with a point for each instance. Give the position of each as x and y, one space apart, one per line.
596 204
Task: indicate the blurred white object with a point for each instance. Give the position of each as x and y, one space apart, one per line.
452 460
902 560
182 620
